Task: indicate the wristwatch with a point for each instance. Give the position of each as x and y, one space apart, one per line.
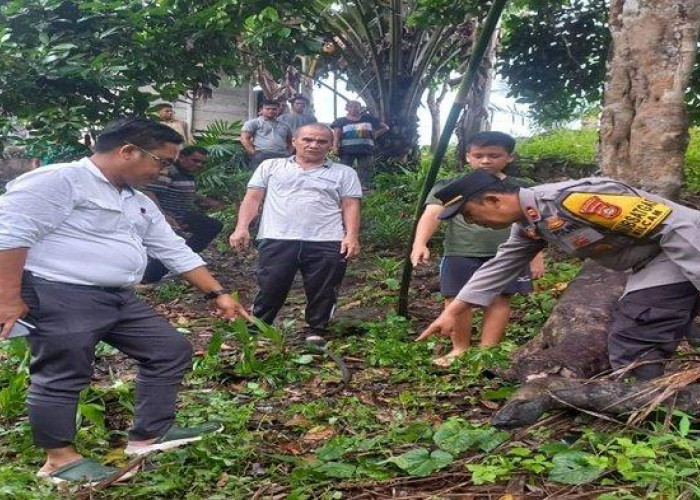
214 294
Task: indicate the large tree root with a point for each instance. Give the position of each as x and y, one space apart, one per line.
605 397
573 341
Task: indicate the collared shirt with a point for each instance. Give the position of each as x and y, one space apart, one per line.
304 204
268 135
176 192
81 229
669 254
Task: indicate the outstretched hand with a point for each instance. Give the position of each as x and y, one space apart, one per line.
443 326
226 307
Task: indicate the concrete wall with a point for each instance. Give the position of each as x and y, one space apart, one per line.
227 103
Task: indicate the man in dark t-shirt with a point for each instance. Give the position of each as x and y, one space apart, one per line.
353 139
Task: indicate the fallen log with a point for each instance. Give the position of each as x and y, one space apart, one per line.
573 341
602 397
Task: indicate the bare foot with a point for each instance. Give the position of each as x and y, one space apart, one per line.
448 359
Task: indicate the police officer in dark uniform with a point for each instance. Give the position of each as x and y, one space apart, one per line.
656 240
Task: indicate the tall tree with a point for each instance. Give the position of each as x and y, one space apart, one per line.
391 51
644 125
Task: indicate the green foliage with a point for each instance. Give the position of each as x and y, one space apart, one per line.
692 161
553 57
170 291
455 437
226 174
421 462
14 379
576 146
67 65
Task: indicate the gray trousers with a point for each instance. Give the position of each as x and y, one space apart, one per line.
649 324
70 321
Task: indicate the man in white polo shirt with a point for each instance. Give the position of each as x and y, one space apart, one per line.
310 223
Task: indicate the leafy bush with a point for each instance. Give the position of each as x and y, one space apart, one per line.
226 174
692 161
558 153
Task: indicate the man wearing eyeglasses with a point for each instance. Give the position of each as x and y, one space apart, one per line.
74 240
176 195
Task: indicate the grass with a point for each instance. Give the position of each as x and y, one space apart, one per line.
293 431
290 432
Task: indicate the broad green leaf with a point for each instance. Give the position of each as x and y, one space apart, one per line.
684 426
454 438
304 359
574 467
421 462
339 470
94 413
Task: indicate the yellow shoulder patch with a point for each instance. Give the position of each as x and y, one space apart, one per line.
631 215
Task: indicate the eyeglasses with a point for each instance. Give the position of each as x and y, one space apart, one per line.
165 162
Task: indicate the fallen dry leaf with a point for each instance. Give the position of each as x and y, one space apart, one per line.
223 480
491 405
291 447
298 420
319 433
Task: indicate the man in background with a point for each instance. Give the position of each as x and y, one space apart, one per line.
353 140
176 195
310 223
298 116
266 137
166 114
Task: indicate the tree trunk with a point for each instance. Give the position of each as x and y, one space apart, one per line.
573 341
476 113
434 104
644 135
644 127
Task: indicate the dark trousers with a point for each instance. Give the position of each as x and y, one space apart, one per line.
322 269
70 321
649 324
363 168
202 229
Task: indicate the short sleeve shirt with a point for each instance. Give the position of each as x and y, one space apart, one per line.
469 240
304 204
357 137
268 135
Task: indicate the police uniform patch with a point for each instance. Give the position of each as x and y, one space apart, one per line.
631 215
554 223
533 214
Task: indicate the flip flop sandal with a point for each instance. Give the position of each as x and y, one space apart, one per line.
175 437
85 471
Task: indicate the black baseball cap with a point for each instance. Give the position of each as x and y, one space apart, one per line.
459 191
